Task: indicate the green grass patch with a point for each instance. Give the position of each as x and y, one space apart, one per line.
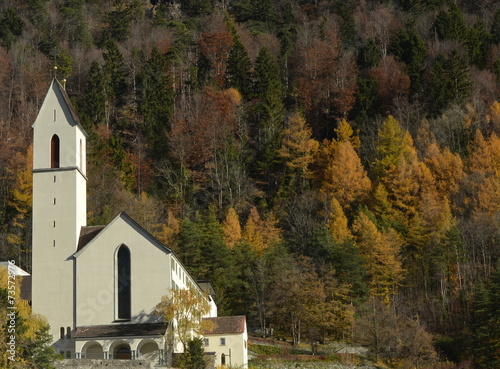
266 350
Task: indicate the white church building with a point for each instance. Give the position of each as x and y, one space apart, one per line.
98 286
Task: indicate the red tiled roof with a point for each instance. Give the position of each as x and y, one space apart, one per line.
227 324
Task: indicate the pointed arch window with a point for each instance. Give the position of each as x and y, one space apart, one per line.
123 283
54 151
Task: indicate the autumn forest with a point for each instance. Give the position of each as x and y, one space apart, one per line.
332 167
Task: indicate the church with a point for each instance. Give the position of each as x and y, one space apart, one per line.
98 286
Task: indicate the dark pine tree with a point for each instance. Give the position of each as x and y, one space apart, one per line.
11 27
269 116
495 28
115 74
155 99
369 54
449 83
239 67
194 356
486 324
94 105
408 47
478 44
450 25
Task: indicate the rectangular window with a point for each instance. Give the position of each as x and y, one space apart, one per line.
54 179
54 200
223 341
206 342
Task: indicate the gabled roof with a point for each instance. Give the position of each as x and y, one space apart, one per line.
14 269
91 233
87 234
227 324
121 330
61 92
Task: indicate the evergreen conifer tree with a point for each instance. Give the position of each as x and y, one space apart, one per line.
450 82
154 98
486 324
114 73
269 113
194 357
94 104
238 74
495 28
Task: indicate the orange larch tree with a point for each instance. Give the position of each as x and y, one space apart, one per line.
341 174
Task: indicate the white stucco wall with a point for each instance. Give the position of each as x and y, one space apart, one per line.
59 212
235 348
55 117
96 279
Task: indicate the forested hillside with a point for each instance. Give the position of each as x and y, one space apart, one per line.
324 163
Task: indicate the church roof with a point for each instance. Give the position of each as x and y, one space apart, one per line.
60 91
227 324
72 111
121 330
87 234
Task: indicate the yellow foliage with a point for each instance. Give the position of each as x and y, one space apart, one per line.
234 96
186 307
394 146
298 148
170 231
446 167
489 196
341 173
32 322
402 184
337 223
484 174
21 200
260 234
345 133
231 228
380 252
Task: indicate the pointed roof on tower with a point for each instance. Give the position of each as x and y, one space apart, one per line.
63 98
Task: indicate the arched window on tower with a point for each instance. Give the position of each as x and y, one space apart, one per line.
54 152
123 283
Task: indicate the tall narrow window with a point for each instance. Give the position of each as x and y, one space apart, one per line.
81 153
54 152
123 283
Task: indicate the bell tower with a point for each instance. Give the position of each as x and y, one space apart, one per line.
59 212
